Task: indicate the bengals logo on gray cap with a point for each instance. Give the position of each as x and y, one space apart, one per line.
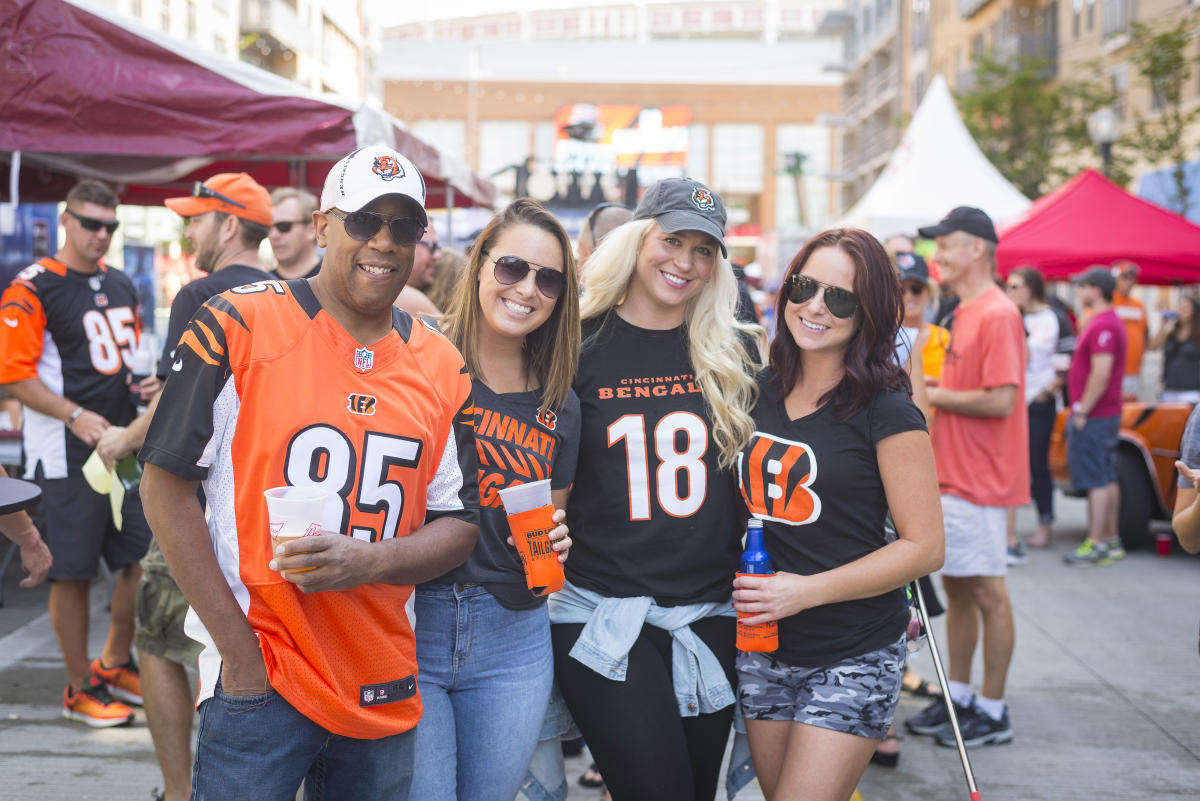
702 199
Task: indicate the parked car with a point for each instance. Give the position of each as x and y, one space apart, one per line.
1146 454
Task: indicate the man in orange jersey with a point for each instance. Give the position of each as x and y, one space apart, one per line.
68 333
1133 316
311 676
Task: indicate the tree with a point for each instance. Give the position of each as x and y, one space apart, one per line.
1027 124
1164 135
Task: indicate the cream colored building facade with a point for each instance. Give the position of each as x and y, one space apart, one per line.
757 79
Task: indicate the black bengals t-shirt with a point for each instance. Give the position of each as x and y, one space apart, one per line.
815 483
651 513
194 295
518 442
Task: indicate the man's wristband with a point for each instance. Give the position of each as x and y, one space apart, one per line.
74 416
1077 408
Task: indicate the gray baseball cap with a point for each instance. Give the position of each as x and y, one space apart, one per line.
681 204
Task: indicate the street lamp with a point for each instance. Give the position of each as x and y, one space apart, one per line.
1103 129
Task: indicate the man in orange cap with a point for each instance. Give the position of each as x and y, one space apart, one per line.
228 216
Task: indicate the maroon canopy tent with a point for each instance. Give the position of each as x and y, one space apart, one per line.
1090 220
86 94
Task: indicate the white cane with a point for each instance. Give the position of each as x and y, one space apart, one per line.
941 677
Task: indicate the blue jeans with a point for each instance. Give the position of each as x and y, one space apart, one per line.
260 747
485 676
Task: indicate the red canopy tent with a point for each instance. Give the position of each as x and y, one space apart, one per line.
1089 220
84 93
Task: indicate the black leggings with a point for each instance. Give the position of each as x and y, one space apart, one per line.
643 747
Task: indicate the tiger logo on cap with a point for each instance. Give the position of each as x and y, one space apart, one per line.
703 199
387 168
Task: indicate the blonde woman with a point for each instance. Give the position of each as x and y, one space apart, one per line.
483 640
666 386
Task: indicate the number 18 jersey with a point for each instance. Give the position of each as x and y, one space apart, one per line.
266 390
650 512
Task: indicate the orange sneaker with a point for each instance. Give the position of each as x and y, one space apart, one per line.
94 706
123 681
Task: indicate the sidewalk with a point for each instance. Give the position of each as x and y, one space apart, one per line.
1101 692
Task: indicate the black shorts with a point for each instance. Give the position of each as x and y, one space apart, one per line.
79 529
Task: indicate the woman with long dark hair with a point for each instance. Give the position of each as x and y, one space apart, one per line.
1179 337
837 442
483 639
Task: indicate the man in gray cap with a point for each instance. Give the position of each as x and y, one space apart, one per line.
1094 388
981 444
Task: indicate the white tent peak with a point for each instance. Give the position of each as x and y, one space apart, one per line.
936 167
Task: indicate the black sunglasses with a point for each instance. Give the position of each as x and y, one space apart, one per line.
840 302
513 269
363 225
283 226
200 190
432 247
914 288
93 225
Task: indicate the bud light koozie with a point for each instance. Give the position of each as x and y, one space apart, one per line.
756 562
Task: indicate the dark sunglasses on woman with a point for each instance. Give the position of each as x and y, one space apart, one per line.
513 269
363 225
93 225
841 302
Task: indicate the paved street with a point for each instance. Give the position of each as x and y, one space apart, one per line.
1102 696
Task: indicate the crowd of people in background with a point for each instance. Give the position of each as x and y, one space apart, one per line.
634 372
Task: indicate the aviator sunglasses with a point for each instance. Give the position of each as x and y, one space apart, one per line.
93 225
840 302
513 269
363 225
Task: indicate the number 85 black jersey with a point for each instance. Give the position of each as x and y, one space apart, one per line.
76 333
650 512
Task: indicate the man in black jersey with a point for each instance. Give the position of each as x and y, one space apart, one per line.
70 326
225 232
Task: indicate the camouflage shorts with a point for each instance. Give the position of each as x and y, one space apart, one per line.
856 696
159 611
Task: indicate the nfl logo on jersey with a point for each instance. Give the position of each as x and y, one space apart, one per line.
363 359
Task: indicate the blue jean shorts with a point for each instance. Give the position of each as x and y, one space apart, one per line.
857 695
1092 452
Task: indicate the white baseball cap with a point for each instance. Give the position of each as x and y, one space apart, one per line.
369 173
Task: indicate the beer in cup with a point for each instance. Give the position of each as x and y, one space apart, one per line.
530 512
292 513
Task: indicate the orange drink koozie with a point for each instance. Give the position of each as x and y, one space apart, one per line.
531 534
757 636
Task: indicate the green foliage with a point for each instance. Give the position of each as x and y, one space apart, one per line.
1033 128
1162 137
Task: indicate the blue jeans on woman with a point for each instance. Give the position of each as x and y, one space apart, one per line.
485 677
260 747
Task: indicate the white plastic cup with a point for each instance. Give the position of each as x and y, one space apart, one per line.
294 512
525 497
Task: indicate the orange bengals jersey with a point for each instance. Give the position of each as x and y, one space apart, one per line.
268 390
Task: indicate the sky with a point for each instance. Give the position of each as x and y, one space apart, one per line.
389 12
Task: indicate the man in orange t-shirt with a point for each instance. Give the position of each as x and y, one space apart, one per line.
1133 315
309 668
981 446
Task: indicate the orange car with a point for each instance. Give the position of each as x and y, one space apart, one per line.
1147 448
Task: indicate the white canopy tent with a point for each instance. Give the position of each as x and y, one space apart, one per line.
936 166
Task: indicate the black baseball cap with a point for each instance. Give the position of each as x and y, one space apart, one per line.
912 267
1099 277
967 219
681 204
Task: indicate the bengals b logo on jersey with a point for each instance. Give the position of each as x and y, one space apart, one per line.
775 476
547 418
387 168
